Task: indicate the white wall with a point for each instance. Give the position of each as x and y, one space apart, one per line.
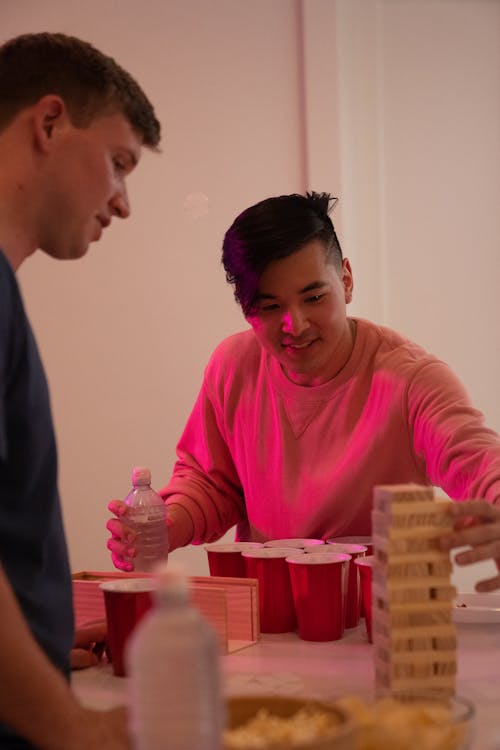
126 332
392 104
419 103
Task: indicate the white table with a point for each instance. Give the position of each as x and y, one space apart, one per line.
284 664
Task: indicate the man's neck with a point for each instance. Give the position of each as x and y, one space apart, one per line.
20 191
17 228
14 246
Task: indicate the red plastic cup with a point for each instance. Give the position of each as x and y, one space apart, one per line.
224 559
295 543
319 587
268 565
365 564
126 601
353 607
366 541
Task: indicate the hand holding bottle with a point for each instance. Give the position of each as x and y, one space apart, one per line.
123 537
142 541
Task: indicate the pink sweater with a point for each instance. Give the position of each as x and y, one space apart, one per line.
283 460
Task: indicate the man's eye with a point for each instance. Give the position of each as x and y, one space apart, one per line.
120 166
268 308
315 298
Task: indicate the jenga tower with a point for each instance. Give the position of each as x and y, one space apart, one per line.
413 634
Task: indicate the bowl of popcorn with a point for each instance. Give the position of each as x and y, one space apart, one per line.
427 721
287 723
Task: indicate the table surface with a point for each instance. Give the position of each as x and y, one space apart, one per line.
283 664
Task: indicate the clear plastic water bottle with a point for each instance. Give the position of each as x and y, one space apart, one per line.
146 515
175 686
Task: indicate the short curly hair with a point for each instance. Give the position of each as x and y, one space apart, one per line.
89 82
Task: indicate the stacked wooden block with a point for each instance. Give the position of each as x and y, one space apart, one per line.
413 634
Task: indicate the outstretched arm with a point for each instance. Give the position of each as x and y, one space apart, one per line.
35 699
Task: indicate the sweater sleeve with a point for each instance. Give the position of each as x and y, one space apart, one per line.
461 454
205 476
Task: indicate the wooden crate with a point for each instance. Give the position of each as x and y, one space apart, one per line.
230 605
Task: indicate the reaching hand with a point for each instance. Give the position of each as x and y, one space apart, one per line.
477 525
89 645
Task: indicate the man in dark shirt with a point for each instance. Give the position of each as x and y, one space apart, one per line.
72 126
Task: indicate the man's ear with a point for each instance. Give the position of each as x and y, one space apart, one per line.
49 116
347 279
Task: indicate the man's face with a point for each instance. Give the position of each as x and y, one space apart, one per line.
86 183
300 314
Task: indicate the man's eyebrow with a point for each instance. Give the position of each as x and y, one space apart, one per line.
308 288
313 285
264 296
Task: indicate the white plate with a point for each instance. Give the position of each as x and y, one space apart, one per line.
480 608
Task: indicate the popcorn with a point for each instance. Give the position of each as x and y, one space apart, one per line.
266 731
390 723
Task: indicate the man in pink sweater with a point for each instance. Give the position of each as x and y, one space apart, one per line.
301 416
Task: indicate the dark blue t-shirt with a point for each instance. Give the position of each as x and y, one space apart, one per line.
32 543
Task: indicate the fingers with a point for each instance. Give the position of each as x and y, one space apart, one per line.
120 531
121 544
476 509
89 645
479 552
477 527
121 563
81 658
121 554
476 523
473 535
489 584
117 507
90 633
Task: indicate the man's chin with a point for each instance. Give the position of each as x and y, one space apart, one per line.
66 253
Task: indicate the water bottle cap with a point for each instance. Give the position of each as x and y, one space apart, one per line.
141 475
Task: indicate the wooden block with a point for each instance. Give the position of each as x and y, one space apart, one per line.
422 524
437 634
419 659
440 636
385 685
434 569
403 668
403 592
432 556
401 493
385 631
407 545
408 616
419 515
387 582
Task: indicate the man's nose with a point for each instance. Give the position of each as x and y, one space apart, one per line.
294 322
119 203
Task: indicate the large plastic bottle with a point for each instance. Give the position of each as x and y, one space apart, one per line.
146 515
175 695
